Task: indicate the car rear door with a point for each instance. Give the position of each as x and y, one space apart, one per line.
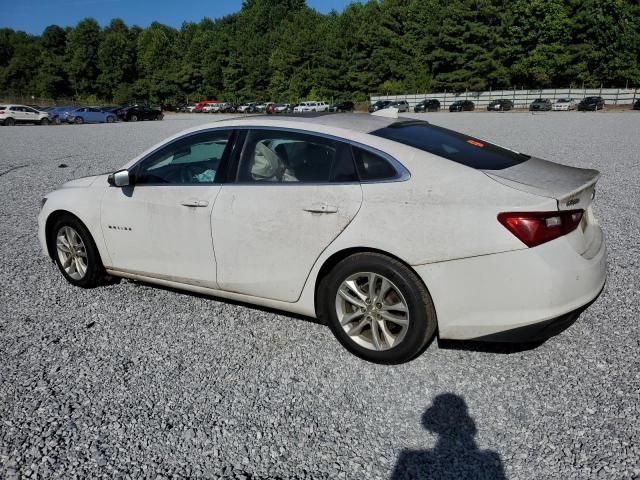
292 195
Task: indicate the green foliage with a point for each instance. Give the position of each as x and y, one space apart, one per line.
282 50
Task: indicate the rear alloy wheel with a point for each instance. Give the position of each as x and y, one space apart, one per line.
378 308
9 122
79 121
111 119
160 116
44 121
133 118
75 253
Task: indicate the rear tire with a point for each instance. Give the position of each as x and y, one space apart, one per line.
160 116
44 121
111 119
9 122
76 253
377 333
79 121
133 118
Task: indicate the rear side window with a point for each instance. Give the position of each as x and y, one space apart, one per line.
372 167
292 157
452 145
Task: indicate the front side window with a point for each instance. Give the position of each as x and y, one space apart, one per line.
190 160
282 157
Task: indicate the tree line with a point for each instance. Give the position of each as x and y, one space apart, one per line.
284 50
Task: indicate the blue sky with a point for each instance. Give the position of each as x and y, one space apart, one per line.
32 16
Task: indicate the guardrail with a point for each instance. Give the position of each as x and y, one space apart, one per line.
520 98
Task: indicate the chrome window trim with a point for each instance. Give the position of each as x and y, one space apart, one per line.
402 174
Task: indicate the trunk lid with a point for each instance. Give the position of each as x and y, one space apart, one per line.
573 188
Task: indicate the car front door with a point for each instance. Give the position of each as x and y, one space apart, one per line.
294 193
161 225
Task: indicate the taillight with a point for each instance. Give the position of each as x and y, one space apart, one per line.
535 228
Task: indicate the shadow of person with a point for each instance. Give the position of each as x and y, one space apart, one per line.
456 455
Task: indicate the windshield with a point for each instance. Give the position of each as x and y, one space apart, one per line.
564 100
451 145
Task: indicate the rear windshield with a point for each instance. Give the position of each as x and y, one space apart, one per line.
452 145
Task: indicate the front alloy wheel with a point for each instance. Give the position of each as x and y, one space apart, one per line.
75 252
72 253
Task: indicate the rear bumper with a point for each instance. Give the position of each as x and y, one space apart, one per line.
522 295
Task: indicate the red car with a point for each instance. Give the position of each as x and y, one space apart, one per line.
202 104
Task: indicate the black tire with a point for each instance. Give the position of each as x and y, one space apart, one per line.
422 315
44 121
160 116
133 118
95 273
79 121
9 122
111 119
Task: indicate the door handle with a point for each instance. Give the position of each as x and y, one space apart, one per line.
321 208
194 203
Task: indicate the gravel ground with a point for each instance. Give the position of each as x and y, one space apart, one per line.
134 381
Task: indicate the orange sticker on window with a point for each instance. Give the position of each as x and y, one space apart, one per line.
475 143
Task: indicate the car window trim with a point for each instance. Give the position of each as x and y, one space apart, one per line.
225 157
402 173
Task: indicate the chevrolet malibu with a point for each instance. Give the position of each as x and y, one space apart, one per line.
392 230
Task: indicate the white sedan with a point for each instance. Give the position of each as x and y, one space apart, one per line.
305 107
564 104
389 229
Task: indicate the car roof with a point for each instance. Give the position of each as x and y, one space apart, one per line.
357 122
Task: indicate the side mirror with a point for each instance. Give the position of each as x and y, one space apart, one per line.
120 178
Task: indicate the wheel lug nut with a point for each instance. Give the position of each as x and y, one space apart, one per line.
367 300
378 305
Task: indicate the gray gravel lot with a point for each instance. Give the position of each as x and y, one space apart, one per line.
134 381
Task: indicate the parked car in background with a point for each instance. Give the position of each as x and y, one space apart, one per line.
210 108
87 115
462 106
401 105
276 107
14 114
344 106
591 103
291 108
229 108
250 107
500 105
379 105
312 107
200 105
427 105
55 114
134 113
541 105
636 106
564 104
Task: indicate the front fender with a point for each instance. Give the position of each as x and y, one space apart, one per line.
84 203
